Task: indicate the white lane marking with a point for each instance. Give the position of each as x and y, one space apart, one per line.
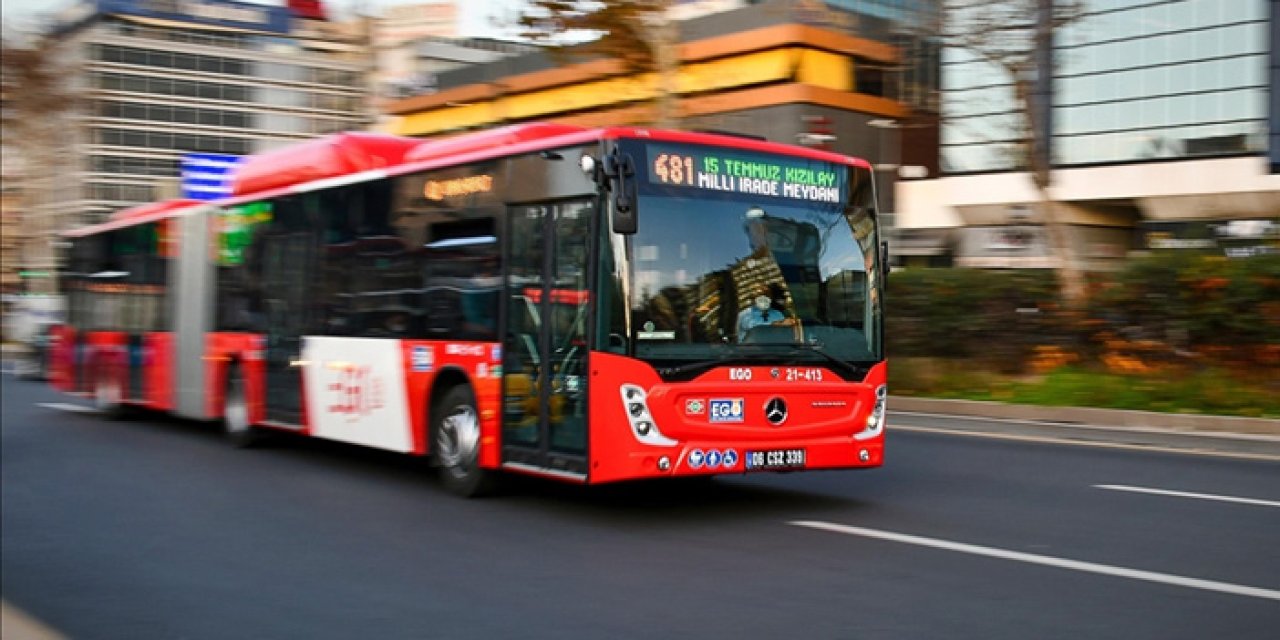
1188 494
66 406
1050 561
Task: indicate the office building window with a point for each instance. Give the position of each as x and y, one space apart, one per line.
1140 80
1133 80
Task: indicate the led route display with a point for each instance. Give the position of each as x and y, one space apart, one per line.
747 173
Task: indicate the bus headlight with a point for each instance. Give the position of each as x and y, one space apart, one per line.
635 400
875 420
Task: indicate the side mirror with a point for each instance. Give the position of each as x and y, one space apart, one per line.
619 170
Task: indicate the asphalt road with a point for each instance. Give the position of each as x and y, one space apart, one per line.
155 528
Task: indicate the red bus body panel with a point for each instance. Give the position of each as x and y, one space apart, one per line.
245 349
158 369
63 369
475 361
77 360
832 411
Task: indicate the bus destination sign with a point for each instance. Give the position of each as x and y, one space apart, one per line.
747 174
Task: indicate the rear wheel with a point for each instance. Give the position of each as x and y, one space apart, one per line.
108 395
455 444
235 411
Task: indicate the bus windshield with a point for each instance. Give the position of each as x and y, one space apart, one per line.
720 276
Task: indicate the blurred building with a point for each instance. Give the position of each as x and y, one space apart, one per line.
10 236
797 71
10 210
413 67
10 252
394 38
1158 135
152 80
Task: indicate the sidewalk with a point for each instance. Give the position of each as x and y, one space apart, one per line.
16 625
1252 438
1089 416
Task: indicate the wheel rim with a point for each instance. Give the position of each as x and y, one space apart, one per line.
456 439
234 411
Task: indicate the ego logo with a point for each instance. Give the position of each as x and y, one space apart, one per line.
727 410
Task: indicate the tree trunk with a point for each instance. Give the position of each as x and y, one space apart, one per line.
1071 280
665 45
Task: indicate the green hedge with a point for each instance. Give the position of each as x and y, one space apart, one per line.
1172 319
1223 310
994 318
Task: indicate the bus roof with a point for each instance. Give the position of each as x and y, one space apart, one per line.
503 137
533 137
140 214
332 156
354 156
152 207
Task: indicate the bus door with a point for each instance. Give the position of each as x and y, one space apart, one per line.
545 337
289 259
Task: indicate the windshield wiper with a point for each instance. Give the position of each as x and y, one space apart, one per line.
844 366
673 372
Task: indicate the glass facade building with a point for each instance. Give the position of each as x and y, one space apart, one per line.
1160 118
1141 79
1133 80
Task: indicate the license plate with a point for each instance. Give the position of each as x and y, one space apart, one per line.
774 459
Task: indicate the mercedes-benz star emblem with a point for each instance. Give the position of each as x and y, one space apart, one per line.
775 411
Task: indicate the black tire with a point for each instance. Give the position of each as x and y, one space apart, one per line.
235 412
455 444
108 394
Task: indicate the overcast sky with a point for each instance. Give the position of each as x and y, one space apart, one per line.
476 14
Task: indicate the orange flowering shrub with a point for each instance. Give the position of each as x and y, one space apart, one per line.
1046 358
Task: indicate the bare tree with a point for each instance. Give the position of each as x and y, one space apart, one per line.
640 34
37 104
1014 38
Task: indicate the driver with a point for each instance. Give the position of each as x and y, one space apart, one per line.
764 311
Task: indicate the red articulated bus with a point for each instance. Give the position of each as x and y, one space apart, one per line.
592 305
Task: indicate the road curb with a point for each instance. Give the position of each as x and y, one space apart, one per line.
1085 416
18 625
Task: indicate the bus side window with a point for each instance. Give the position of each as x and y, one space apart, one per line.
461 278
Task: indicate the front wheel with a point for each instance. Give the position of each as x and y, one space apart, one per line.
455 444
